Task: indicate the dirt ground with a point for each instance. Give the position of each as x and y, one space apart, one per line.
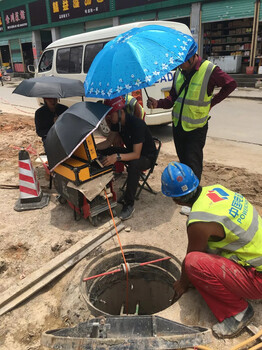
30 239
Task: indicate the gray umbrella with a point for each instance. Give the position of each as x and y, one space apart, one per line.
50 87
71 129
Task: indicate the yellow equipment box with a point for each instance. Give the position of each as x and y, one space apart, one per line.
83 165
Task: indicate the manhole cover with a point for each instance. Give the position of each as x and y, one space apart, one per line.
126 333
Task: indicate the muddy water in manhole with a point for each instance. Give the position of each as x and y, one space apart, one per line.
150 287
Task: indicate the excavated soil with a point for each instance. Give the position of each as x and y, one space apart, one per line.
30 239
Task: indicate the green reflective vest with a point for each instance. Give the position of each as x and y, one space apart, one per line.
130 105
196 104
240 220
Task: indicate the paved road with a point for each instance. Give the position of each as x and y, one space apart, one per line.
238 120
13 103
234 119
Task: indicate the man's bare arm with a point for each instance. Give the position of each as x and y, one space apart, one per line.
137 148
108 142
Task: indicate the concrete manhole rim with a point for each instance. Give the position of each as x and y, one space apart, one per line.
115 253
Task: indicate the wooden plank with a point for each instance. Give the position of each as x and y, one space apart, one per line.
38 279
254 330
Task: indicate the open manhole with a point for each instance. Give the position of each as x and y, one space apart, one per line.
150 290
150 287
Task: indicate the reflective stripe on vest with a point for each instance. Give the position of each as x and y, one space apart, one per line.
240 220
197 102
130 105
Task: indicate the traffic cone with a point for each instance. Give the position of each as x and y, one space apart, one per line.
31 196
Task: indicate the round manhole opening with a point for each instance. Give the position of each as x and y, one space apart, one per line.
149 289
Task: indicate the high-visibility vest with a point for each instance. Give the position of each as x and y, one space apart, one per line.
130 105
196 104
240 220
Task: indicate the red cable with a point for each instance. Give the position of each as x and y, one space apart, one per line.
119 270
154 261
121 251
101 274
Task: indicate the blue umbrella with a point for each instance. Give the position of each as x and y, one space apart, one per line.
137 59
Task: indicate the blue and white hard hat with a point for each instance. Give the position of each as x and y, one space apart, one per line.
191 51
178 180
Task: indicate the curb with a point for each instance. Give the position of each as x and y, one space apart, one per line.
255 98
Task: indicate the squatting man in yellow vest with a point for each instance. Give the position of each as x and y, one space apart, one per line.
224 252
191 97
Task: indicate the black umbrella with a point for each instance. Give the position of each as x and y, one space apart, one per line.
71 129
50 87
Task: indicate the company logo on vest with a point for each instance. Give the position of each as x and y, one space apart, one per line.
217 195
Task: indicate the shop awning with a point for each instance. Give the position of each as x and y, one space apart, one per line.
226 10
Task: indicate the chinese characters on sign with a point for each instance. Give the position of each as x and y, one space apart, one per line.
15 18
68 9
124 4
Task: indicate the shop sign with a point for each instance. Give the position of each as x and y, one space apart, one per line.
123 4
15 18
69 9
1 25
37 10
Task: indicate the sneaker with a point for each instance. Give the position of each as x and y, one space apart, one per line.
185 210
127 212
232 326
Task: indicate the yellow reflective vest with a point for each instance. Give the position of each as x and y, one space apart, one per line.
196 104
240 220
130 105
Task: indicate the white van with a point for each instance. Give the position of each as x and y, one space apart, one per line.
72 56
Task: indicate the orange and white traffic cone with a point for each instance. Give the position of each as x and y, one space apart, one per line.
31 196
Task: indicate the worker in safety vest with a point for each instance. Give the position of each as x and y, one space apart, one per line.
224 253
191 98
133 107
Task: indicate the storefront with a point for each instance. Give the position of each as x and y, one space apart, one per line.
174 13
229 32
16 49
230 36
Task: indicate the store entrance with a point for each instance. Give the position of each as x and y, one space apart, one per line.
27 55
228 44
46 38
5 54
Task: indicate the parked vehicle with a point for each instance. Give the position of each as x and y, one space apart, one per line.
72 56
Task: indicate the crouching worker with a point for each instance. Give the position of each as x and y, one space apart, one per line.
224 253
138 152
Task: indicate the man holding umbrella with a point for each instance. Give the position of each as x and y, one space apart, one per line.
139 151
50 88
191 97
